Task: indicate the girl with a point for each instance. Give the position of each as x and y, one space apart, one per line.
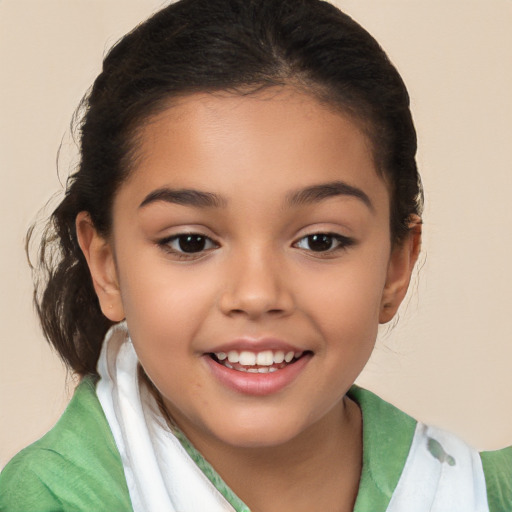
245 214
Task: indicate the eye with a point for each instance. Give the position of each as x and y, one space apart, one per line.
324 242
188 244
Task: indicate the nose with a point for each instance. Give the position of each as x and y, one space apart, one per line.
256 286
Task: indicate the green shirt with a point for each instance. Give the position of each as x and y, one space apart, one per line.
77 467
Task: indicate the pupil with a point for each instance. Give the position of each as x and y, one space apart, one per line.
192 243
320 242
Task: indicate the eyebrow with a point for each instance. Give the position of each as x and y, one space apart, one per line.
185 197
199 199
317 193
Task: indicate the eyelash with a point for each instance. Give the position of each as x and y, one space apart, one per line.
342 243
166 245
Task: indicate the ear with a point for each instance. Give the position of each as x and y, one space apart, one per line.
401 264
100 258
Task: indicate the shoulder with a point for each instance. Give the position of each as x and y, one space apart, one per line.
497 467
401 456
76 466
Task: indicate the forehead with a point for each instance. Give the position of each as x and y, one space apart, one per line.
279 139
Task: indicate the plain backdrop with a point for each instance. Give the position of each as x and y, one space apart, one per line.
448 359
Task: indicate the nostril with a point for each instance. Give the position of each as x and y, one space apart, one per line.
254 301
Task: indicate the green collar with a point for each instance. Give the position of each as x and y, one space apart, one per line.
387 437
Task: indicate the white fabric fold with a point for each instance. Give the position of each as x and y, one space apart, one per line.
160 474
441 474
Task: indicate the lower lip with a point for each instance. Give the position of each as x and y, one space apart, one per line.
258 384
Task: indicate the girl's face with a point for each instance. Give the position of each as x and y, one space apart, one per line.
253 230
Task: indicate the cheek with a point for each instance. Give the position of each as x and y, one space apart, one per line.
164 309
345 305
156 292
353 291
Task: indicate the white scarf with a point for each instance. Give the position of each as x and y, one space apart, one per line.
160 474
441 474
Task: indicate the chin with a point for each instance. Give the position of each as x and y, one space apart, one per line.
261 438
260 430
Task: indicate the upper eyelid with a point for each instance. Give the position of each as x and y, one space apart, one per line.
334 227
333 234
187 233
208 232
190 231
344 242
170 238
174 236
184 228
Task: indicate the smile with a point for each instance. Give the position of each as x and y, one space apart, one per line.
266 361
257 366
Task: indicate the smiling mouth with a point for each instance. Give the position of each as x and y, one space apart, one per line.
267 361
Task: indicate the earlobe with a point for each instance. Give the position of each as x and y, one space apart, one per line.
401 264
99 255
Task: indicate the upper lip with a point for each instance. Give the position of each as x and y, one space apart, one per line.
256 345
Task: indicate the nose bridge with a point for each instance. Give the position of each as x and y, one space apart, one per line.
255 283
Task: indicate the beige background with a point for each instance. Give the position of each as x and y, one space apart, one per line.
448 360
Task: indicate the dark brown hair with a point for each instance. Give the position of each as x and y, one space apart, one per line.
210 45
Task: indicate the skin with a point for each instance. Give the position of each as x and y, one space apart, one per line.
258 277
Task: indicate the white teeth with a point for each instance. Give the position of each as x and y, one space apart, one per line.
265 358
278 356
247 358
233 356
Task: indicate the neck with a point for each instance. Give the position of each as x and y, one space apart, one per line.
317 470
